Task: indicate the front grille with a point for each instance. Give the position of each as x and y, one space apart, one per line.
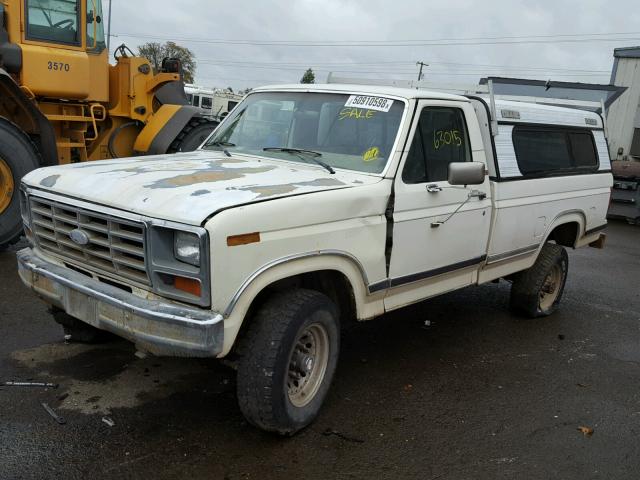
116 246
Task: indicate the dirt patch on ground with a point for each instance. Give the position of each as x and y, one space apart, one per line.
98 379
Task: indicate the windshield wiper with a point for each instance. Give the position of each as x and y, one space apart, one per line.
310 154
220 143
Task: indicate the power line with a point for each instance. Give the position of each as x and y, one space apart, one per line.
463 41
478 74
468 71
479 70
315 64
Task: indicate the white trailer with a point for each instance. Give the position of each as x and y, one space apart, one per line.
213 103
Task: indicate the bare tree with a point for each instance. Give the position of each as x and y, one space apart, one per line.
155 52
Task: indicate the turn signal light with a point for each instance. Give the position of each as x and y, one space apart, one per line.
244 239
188 285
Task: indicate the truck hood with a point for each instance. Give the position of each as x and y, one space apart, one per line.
188 187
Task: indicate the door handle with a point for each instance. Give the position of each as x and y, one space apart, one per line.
477 194
433 188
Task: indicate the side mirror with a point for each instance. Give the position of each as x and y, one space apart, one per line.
466 173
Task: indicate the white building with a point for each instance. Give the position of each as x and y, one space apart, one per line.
624 113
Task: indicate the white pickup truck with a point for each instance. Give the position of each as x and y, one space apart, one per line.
310 206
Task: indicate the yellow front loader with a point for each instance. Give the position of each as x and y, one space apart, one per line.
61 101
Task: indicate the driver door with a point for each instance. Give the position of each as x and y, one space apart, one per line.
440 231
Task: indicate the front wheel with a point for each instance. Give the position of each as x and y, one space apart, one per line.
537 291
287 360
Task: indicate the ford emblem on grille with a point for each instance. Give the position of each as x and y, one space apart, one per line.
79 237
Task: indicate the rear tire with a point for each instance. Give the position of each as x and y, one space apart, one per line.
77 331
537 291
19 156
287 360
192 135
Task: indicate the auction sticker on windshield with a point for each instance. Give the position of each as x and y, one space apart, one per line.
371 103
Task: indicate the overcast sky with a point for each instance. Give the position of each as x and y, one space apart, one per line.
319 24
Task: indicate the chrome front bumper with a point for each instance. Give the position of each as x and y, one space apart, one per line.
161 328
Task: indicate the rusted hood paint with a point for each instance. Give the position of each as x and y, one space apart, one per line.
188 187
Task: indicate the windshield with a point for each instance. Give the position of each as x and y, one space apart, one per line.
354 132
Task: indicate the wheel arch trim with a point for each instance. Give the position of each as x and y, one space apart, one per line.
563 218
347 264
235 314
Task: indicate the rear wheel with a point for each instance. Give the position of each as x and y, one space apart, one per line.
287 360
537 291
192 135
18 156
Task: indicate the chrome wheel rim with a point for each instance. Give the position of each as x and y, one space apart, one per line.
6 185
307 364
550 288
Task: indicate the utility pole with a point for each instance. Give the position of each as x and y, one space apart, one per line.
109 26
422 64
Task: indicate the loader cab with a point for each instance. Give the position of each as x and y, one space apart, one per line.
64 49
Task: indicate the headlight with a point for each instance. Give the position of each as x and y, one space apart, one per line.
186 247
179 262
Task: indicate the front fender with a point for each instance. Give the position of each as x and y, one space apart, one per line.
367 306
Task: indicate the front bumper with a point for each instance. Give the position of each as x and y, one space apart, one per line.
161 328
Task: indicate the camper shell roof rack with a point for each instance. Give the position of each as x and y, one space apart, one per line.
482 90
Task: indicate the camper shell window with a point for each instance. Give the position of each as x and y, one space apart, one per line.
550 150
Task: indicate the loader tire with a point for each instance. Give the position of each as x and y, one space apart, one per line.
192 135
18 156
287 360
537 291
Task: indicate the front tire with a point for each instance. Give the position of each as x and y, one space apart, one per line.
288 358
537 291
